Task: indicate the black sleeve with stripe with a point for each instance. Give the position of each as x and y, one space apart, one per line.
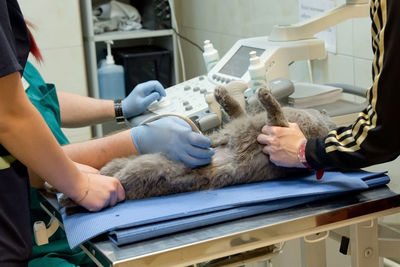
375 135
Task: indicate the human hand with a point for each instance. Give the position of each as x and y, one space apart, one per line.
100 191
282 144
174 138
141 97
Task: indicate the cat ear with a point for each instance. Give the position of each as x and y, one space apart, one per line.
275 116
228 103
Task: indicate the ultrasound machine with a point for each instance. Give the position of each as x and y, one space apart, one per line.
192 98
285 45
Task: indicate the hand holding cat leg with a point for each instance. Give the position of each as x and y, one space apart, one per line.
174 138
282 144
100 192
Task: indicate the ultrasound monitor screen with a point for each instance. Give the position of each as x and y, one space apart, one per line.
239 62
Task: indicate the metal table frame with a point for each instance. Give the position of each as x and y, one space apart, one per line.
359 210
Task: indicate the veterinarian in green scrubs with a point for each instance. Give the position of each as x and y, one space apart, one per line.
46 100
57 253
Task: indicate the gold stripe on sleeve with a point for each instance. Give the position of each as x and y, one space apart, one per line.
359 131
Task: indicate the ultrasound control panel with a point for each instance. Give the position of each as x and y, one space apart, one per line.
186 98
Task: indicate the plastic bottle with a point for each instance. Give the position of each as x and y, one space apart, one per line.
257 73
210 55
111 77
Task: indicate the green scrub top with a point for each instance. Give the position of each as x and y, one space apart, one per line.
57 253
44 97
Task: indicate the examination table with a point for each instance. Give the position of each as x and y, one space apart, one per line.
231 225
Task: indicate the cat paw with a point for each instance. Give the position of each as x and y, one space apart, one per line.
220 94
228 103
264 95
65 201
275 115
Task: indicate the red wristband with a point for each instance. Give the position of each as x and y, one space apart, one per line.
301 155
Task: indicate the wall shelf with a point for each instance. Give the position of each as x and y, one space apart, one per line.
94 45
142 33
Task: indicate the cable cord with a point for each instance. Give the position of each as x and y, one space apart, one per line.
188 40
191 123
176 29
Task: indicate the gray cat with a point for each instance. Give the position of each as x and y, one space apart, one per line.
238 156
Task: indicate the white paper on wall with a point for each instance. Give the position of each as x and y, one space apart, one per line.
312 8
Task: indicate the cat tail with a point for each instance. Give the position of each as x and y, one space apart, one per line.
275 116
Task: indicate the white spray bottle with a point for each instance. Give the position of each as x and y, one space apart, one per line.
257 71
111 77
210 55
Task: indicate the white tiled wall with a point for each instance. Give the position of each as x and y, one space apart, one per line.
226 21
59 37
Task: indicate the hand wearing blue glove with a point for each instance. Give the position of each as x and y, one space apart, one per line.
141 97
174 138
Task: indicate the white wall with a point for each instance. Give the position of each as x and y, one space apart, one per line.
226 21
59 37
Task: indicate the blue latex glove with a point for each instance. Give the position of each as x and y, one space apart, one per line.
141 97
174 138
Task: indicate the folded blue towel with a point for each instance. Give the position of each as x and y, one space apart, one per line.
146 218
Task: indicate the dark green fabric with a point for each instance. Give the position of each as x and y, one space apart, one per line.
44 97
60 255
57 253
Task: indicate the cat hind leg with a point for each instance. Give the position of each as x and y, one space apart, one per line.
228 103
275 116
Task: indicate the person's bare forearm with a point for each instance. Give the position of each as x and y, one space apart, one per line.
26 136
78 111
98 152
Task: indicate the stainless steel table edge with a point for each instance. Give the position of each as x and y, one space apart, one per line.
253 236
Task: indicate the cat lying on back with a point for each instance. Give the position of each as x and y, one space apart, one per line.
238 156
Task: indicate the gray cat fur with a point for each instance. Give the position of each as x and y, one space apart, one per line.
238 156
